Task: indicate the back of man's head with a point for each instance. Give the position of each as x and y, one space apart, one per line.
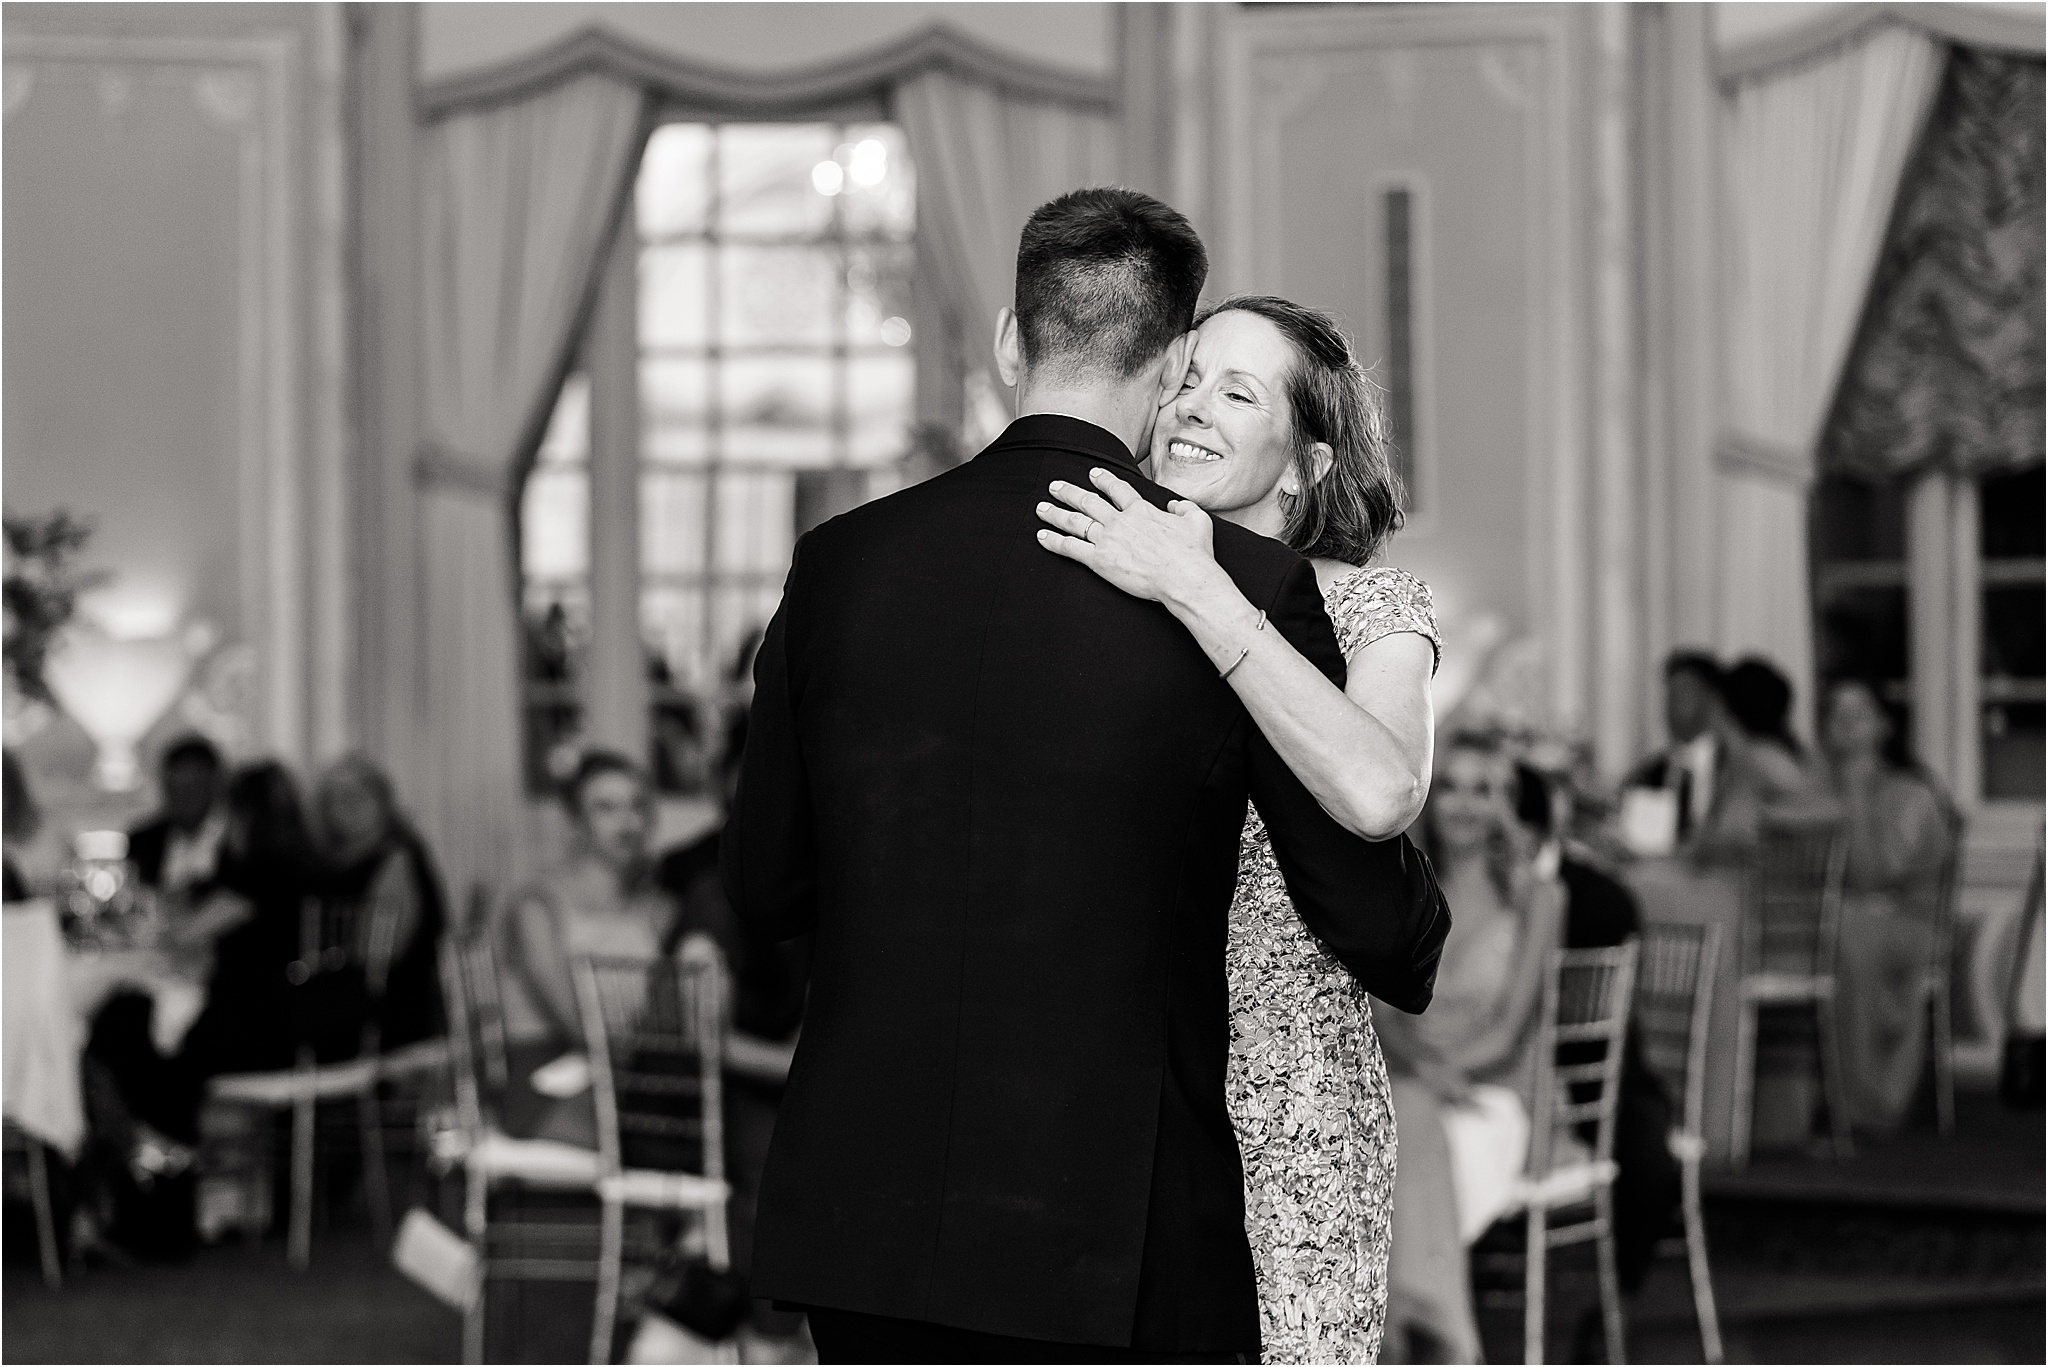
1106 279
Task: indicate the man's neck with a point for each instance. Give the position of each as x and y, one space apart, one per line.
1127 412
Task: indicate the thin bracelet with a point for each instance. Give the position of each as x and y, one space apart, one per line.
1256 629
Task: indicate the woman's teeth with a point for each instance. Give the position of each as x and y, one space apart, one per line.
1188 451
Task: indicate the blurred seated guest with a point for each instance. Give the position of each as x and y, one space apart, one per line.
1774 770
1463 1073
272 872
1694 716
21 819
379 866
1601 912
1759 700
1900 838
178 850
239 939
603 899
769 979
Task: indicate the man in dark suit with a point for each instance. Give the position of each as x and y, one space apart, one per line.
179 848
1007 798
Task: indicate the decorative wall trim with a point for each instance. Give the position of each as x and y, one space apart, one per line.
1965 25
674 77
1558 390
1744 453
246 85
1421 443
331 511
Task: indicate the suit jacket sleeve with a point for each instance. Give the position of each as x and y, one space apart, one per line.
768 856
1375 904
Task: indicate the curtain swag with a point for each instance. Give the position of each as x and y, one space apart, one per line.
678 79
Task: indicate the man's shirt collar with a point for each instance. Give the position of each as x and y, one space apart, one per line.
1063 433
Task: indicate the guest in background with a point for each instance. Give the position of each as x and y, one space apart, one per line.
22 818
769 980
1901 836
178 850
1464 1072
1759 700
379 864
1696 719
1769 768
603 899
268 861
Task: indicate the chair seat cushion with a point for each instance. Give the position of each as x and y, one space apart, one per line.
1788 987
285 1086
497 1156
649 1189
1565 1185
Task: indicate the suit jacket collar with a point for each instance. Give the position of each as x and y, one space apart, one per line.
1062 433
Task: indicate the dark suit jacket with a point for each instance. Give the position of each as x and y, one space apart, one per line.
147 845
1008 799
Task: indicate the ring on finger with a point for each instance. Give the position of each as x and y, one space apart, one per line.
1094 526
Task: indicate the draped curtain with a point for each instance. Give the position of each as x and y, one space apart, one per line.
986 157
1812 158
1947 373
519 204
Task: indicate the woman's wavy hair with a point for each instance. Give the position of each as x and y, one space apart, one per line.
1350 512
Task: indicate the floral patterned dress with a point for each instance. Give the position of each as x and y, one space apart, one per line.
1306 1085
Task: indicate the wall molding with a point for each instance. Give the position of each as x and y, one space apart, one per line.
245 85
1559 386
683 80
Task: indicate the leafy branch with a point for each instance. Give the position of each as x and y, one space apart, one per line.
41 591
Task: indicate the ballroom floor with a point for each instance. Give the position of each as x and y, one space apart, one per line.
1919 1250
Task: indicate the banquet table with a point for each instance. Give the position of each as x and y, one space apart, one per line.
51 992
1678 891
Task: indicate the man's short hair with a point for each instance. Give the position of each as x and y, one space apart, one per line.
193 749
1697 663
1106 279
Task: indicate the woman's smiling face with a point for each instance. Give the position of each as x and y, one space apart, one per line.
1226 441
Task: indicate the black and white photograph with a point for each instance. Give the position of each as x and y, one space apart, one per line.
695 681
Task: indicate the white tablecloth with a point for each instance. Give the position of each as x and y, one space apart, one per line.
43 1033
50 994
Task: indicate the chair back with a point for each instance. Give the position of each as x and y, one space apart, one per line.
1586 998
476 1014
1795 899
1949 891
1674 998
655 1033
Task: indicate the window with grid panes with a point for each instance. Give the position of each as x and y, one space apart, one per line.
775 370
775 380
2010 688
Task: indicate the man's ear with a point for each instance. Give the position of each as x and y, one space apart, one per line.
1173 367
1009 347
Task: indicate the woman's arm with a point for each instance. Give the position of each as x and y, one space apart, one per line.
535 947
1363 751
